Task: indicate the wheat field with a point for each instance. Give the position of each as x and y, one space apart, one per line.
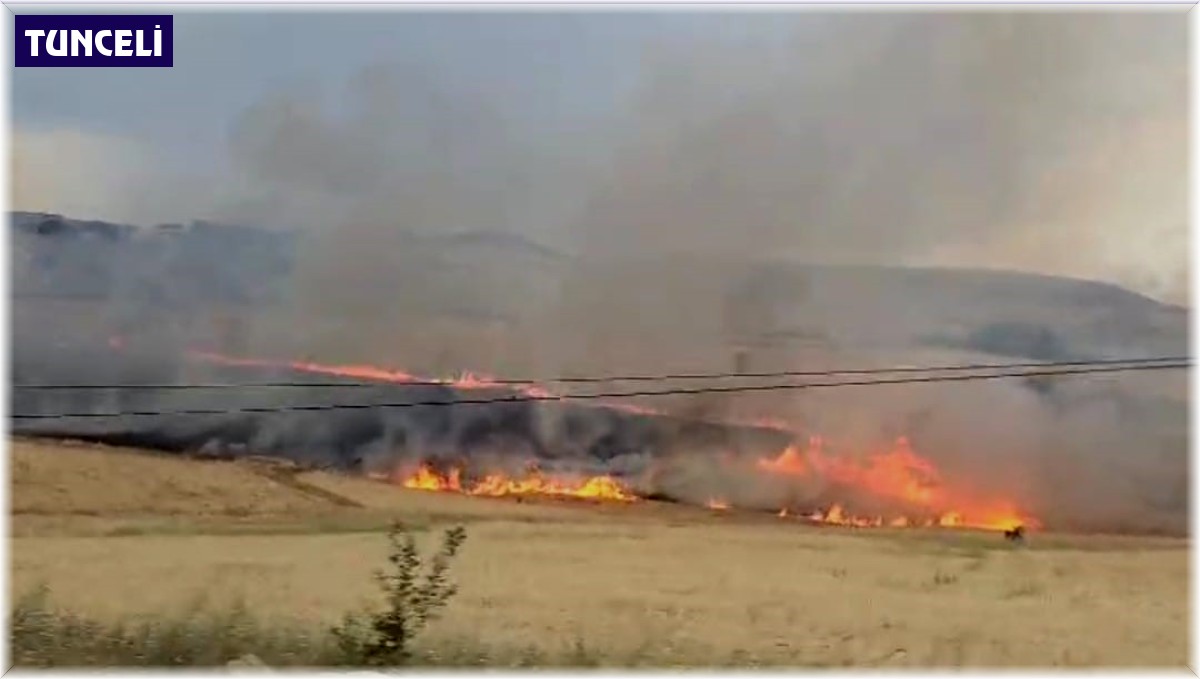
120 534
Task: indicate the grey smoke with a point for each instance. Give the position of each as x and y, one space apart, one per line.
752 204
895 137
1049 142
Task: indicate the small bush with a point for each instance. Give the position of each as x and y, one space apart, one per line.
385 637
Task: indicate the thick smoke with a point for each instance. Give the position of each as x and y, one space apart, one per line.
1030 141
1035 141
733 214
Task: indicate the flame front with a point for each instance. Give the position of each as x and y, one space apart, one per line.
426 478
534 483
789 462
897 476
465 381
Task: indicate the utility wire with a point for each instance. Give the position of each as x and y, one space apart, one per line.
618 378
628 394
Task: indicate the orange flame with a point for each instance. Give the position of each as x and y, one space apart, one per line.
465 380
595 487
499 485
426 478
837 515
717 504
790 462
898 476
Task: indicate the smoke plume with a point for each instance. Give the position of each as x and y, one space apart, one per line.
751 205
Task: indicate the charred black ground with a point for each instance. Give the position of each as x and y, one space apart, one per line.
580 437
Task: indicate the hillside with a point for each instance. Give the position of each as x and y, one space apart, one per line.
596 315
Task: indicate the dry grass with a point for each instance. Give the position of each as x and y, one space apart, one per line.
645 585
90 480
81 489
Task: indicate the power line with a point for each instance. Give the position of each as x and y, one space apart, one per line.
628 394
619 378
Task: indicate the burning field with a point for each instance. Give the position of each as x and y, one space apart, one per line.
600 314
936 528
898 478
523 443
236 369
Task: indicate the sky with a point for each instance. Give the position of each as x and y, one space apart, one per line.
1053 145
546 71
547 65
554 78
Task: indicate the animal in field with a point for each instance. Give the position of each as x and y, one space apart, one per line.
1015 534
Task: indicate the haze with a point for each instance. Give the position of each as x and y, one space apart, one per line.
1044 142
536 194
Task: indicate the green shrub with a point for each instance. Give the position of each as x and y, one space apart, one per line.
385 637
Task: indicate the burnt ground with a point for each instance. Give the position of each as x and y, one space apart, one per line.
351 425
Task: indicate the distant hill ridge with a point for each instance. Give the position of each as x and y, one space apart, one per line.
484 276
60 256
54 225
